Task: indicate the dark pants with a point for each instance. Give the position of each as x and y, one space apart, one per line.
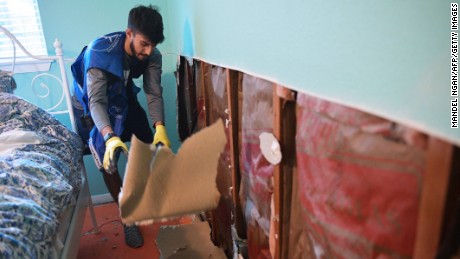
137 123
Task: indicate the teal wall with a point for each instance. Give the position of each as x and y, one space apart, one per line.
390 58
76 23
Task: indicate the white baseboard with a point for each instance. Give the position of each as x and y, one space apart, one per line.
101 199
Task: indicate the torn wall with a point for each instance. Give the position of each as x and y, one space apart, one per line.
353 185
256 171
201 86
215 90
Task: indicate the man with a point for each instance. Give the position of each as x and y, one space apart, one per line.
105 97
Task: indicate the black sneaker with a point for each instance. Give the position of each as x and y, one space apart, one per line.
133 236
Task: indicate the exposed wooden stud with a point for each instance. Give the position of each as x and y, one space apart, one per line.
433 197
277 182
204 67
450 232
284 131
287 173
232 94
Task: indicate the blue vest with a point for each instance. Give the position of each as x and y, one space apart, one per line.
106 53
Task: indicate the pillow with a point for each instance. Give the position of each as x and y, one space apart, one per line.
7 83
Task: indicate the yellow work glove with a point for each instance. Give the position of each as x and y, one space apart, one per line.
161 136
113 146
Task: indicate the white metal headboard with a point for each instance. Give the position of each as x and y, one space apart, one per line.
63 82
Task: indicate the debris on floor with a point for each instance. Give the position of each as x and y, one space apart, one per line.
192 241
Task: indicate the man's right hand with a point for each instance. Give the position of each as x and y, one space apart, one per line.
113 146
161 136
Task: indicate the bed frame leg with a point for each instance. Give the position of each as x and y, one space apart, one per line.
93 215
90 203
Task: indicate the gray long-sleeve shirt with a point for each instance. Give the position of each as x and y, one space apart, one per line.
97 84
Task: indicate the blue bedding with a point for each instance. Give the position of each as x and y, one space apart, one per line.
39 179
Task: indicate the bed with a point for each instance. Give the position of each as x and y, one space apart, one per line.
44 191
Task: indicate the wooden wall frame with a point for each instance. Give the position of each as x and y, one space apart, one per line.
284 130
433 198
233 83
434 190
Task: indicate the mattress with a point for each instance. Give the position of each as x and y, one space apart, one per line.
39 178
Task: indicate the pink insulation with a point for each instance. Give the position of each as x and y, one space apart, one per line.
358 186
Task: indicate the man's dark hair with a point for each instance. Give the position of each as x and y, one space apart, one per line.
147 20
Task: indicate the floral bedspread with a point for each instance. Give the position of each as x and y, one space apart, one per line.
39 179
